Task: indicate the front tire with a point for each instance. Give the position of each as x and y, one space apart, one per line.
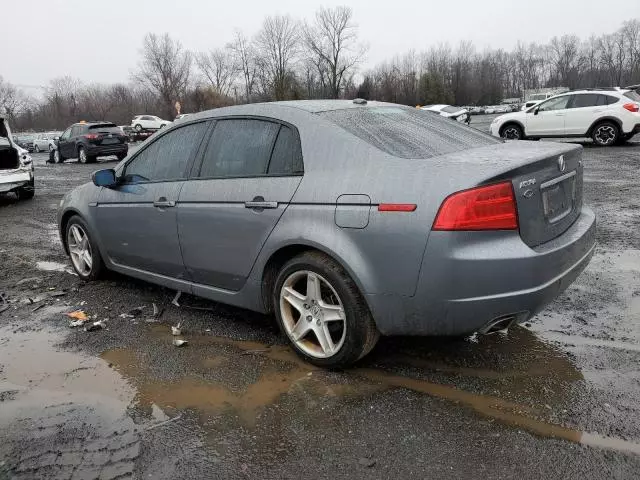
606 134
36 149
85 257
320 310
511 131
138 127
57 156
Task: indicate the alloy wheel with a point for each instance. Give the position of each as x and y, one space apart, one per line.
312 314
82 156
56 156
511 133
605 135
80 249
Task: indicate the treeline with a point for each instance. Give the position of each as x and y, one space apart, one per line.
321 58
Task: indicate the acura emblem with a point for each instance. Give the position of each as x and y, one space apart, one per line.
561 164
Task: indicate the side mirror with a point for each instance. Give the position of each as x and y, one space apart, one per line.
536 110
104 178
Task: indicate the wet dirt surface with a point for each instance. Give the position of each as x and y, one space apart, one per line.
555 399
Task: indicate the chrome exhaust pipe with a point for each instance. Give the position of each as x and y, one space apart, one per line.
496 325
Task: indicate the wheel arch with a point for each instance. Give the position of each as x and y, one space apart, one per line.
602 120
286 252
64 221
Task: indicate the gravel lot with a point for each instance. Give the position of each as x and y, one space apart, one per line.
557 398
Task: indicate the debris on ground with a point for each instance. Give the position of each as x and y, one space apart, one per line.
254 352
28 280
175 331
38 307
4 305
367 462
157 312
135 312
179 343
78 315
57 293
99 325
176 298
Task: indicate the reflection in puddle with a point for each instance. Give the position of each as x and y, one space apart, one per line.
236 384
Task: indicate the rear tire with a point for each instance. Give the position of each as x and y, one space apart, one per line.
606 134
36 149
78 259
352 336
138 127
512 131
27 192
121 156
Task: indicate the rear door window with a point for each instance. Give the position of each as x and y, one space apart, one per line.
166 158
408 133
585 100
239 148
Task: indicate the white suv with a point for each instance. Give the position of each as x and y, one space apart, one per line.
148 122
608 116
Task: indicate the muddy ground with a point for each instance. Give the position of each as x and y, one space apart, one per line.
555 398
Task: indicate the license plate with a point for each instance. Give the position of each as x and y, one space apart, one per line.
558 197
108 141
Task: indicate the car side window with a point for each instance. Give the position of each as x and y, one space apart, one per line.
559 103
166 158
239 148
286 158
147 118
584 100
66 134
607 100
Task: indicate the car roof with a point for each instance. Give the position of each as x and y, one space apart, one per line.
94 123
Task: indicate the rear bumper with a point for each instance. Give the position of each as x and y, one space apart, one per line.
100 150
469 279
14 180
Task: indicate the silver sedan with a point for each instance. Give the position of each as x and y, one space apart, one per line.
345 219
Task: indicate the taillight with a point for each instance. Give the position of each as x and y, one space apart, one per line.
91 136
484 208
632 107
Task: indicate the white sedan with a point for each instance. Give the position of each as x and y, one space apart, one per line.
455 113
148 122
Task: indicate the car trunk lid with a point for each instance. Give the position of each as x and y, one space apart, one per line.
106 135
546 178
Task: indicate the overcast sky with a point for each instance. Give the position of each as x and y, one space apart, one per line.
99 41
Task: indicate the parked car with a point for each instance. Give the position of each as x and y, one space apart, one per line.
490 110
16 165
529 104
459 114
25 142
87 141
148 122
183 115
608 116
476 110
42 141
296 207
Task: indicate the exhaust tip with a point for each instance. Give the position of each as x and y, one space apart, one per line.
500 324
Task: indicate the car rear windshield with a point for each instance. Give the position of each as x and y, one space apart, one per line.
633 95
407 132
105 128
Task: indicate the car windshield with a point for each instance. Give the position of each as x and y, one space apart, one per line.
406 132
26 138
106 128
451 109
633 95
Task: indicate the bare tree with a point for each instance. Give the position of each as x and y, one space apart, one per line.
165 68
332 38
12 100
245 59
220 68
278 49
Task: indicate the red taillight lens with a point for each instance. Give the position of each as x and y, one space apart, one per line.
484 208
91 136
397 207
632 107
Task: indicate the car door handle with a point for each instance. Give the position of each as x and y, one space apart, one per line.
261 204
164 203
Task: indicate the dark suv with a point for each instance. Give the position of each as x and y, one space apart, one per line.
87 141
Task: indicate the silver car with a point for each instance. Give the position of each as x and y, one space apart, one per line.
346 219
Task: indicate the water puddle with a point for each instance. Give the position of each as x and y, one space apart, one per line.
244 379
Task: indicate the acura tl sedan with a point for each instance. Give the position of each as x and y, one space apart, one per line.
346 219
